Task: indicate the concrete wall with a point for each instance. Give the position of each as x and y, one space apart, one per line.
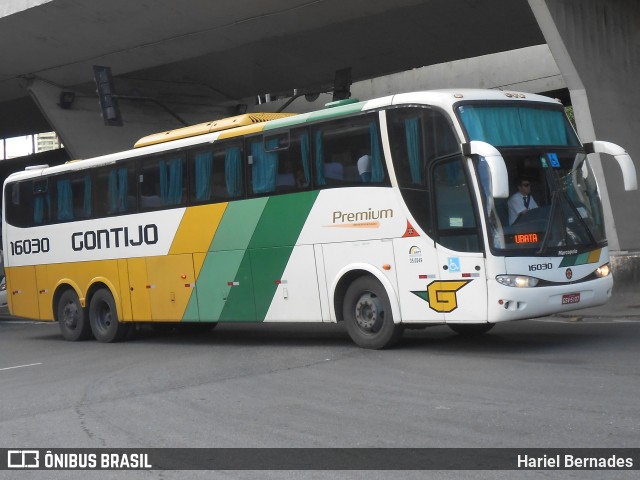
82 129
530 69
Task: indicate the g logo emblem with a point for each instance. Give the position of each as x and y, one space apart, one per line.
569 274
441 295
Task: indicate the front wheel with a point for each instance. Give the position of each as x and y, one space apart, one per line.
470 329
367 314
74 324
104 318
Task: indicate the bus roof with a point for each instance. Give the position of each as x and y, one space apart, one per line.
253 122
209 127
443 98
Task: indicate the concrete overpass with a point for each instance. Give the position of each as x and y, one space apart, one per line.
204 60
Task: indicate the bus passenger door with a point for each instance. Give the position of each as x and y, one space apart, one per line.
462 289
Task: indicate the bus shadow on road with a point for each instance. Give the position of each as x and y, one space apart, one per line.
508 338
516 337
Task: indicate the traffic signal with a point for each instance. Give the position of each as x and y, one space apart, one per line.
108 98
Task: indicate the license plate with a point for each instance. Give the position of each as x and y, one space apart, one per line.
570 298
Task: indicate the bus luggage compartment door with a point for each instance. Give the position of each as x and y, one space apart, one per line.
161 288
22 292
225 286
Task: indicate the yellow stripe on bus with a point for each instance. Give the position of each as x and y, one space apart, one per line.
196 230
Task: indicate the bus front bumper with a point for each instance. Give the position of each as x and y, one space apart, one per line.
513 303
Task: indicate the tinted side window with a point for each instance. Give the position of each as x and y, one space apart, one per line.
348 152
418 136
114 190
216 173
163 181
72 197
19 200
294 159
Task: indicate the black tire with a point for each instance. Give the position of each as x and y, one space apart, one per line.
103 317
74 324
367 314
470 329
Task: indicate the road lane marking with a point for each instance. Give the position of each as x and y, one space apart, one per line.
21 366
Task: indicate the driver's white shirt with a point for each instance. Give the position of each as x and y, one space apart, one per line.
516 206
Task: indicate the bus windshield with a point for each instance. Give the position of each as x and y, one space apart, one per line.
554 207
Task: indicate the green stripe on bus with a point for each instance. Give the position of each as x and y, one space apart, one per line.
282 220
238 224
223 263
248 255
325 114
272 243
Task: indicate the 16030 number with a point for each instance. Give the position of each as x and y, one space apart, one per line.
540 266
30 246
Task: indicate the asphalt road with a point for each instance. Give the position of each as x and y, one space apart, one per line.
545 383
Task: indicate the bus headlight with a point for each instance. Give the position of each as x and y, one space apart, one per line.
521 281
603 271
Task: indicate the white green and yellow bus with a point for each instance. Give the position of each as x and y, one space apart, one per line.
385 214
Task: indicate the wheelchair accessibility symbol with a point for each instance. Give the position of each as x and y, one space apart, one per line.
453 264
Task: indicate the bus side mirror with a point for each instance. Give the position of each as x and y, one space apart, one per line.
623 158
497 167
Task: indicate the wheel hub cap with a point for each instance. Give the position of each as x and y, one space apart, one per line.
369 312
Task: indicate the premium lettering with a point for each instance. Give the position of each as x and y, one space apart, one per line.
368 215
114 238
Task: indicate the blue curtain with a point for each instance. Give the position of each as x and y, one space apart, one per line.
377 171
265 167
113 191
306 156
176 176
40 202
204 170
171 175
412 133
517 126
86 204
320 180
123 189
117 189
64 210
164 182
233 171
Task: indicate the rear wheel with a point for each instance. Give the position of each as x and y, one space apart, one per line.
74 324
367 314
104 318
470 329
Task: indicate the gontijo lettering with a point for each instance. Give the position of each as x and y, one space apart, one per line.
114 238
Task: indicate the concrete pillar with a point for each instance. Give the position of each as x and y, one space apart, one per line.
596 44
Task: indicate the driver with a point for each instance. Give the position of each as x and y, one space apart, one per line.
522 201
